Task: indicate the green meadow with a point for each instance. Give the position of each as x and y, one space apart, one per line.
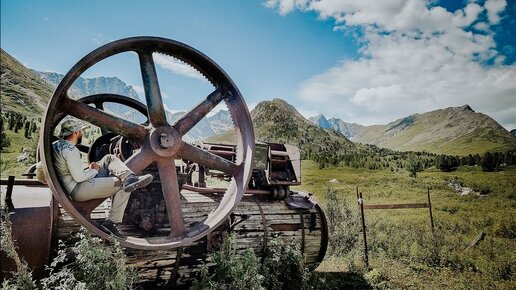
403 250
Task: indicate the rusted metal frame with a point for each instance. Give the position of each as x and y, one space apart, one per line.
207 190
396 206
172 196
265 229
157 115
190 119
104 120
209 160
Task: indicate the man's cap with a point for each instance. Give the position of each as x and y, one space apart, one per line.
69 126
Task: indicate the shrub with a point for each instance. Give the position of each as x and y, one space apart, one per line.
342 223
230 271
89 264
282 268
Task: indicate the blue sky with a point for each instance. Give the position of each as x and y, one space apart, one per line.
367 62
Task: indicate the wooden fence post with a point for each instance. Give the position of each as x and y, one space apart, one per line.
430 208
361 207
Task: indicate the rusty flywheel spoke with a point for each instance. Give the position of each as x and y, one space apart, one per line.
157 115
140 160
104 120
209 160
172 196
188 121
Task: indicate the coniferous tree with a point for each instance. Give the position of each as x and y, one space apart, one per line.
413 165
11 121
488 162
4 140
27 129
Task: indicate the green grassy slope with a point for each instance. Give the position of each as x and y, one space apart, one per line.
8 164
21 90
455 131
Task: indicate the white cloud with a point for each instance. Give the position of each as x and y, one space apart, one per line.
285 6
415 58
177 66
494 8
99 39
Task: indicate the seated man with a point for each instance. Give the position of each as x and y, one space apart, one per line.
109 177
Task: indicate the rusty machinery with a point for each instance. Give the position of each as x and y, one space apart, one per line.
201 190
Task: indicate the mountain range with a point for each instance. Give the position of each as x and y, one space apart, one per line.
347 129
89 86
28 91
279 122
454 130
209 126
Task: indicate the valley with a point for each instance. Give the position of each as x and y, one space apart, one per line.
403 251
392 163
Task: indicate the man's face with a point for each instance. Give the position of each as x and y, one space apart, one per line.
79 137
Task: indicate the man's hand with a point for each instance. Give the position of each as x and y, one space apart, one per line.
94 165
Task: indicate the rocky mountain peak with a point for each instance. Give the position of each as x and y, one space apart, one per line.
89 86
467 108
276 107
321 121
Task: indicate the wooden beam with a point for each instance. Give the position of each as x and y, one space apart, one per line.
396 206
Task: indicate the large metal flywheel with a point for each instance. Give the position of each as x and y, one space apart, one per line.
160 142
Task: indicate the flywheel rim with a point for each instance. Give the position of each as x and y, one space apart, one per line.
225 90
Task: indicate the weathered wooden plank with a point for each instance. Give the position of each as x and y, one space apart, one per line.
396 206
